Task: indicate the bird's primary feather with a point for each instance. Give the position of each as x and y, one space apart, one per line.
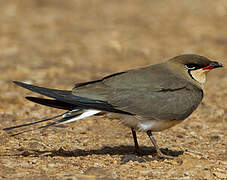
52 103
68 97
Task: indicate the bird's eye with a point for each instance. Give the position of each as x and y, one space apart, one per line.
192 66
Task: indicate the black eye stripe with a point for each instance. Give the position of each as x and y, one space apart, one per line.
192 66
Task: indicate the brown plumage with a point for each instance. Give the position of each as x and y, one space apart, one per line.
148 99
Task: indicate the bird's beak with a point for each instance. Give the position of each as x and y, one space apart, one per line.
212 65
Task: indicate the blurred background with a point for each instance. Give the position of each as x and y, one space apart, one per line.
57 43
68 41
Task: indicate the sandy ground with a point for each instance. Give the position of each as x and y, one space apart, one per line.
57 43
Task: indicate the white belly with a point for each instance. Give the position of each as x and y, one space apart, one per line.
141 124
156 125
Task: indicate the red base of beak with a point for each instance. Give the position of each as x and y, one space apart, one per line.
208 67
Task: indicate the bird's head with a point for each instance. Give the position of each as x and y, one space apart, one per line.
194 66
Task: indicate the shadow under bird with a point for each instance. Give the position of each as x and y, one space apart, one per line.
149 99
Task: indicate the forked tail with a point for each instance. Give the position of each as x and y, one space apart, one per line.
66 117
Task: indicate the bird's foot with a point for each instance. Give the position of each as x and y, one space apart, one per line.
161 156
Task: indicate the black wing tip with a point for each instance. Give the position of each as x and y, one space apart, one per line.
21 84
17 82
52 103
34 99
30 98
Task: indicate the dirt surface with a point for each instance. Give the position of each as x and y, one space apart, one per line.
57 43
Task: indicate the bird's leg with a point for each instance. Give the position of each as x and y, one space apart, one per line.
135 142
160 155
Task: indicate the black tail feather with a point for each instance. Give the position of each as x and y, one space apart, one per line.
65 117
32 123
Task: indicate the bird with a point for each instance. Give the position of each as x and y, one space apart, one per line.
148 99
